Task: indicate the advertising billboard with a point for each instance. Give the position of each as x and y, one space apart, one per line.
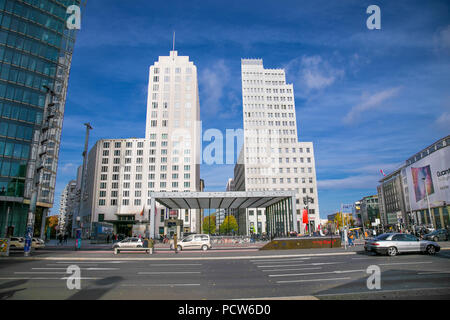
429 176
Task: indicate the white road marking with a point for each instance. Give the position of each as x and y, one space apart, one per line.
433 272
35 278
312 280
32 272
162 285
303 264
77 262
278 260
397 263
89 269
170 272
313 273
276 270
175 264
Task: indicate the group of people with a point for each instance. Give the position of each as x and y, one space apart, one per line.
62 238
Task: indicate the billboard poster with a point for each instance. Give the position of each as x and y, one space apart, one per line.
430 175
423 182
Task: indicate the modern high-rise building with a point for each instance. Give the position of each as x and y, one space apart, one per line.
123 172
272 158
35 51
68 206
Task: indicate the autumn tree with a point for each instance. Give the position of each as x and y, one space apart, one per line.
228 225
209 224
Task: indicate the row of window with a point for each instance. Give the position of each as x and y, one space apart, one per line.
11 168
20 112
35 15
30 29
16 131
21 95
30 46
118 144
27 61
24 78
54 7
14 150
177 70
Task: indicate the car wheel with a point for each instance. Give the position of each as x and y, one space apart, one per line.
139 245
435 239
204 247
179 248
431 250
392 251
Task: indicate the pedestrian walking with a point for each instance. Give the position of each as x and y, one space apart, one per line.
65 237
350 239
175 244
60 239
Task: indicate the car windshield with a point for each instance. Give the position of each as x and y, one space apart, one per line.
383 236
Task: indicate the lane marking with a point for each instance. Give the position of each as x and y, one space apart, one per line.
175 265
162 285
434 272
276 270
170 272
381 291
89 269
314 273
32 272
75 262
279 260
304 264
313 280
40 278
397 263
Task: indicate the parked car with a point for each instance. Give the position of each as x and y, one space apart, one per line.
16 243
438 235
393 243
129 243
37 243
194 241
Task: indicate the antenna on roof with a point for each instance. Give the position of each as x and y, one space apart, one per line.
173 47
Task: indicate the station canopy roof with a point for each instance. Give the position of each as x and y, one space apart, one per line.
220 200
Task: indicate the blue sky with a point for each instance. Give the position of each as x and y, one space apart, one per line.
368 99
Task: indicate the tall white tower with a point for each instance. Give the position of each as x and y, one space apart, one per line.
272 158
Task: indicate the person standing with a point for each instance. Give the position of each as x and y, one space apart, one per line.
175 244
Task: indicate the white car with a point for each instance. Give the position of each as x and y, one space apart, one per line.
37 243
129 243
16 243
195 241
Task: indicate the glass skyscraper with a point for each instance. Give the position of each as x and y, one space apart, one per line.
35 51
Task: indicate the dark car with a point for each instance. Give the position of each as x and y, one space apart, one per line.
438 235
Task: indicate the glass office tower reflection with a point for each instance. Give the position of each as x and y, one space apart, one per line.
35 51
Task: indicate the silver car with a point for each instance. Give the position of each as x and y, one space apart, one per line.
393 243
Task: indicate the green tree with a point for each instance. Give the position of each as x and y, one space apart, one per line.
228 225
209 224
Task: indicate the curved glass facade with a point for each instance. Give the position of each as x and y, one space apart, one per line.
35 51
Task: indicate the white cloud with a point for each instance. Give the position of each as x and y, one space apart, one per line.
444 120
213 81
442 39
312 73
369 103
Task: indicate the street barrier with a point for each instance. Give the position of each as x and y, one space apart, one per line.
303 243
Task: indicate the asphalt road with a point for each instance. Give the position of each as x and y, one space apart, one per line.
226 274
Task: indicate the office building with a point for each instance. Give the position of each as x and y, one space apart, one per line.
35 51
272 158
123 172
